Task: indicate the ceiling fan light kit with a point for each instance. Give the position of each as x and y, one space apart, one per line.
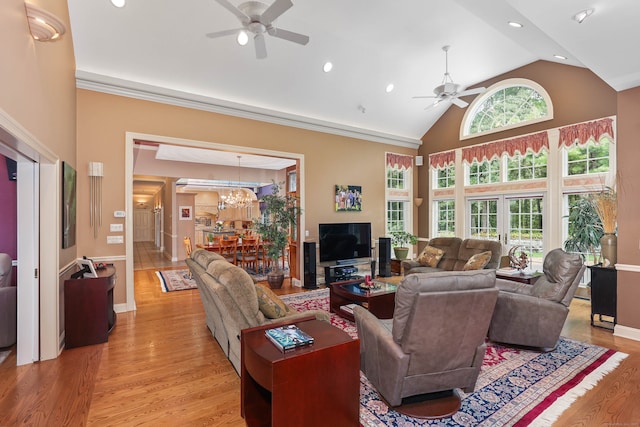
449 91
257 18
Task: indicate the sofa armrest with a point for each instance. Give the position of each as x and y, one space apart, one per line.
408 264
314 314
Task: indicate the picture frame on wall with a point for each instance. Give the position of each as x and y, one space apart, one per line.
348 198
185 213
69 180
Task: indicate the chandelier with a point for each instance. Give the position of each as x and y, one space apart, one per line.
237 197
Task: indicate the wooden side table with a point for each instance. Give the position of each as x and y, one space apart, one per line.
396 266
604 295
315 385
529 279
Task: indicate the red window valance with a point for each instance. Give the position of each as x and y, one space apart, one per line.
534 142
440 160
583 132
399 161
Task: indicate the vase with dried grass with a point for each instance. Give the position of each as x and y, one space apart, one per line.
606 206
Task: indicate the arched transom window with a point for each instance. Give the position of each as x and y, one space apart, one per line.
508 104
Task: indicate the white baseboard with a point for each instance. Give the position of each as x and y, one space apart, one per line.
627 332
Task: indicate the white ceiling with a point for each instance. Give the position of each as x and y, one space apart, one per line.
157 49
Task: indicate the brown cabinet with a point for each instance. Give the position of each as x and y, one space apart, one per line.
88 308
315 385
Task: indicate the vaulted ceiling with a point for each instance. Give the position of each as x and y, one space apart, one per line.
158 50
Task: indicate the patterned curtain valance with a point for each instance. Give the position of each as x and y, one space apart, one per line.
534 142
399 160
583 132
440 160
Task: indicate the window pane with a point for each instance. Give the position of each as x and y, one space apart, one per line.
589 158
446 218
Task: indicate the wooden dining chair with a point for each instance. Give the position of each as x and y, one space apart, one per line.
248 255
187 249
229 249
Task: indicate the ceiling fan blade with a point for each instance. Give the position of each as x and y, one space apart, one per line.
231 8
261 46
289 35
276 9
459 102
223 33
474 91
423 97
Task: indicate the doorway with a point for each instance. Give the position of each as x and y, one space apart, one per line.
131 138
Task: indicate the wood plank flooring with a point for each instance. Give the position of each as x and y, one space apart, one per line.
161 367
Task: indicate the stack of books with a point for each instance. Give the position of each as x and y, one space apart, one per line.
288 337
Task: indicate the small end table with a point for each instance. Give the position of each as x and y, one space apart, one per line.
529 279
314 385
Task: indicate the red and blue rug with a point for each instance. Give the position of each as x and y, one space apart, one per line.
516 387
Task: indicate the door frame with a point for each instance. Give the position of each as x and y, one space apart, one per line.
131 137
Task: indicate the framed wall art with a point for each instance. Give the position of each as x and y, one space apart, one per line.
185 213
348 198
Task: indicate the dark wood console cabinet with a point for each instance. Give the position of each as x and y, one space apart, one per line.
604 295
88 308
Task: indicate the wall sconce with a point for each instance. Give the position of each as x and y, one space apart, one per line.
418 201
43 25
95 196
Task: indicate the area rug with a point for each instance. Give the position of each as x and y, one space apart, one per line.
516 387
175 280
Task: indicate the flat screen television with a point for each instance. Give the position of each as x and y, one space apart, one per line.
344 241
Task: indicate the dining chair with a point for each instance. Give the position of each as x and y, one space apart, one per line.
248 255
229 249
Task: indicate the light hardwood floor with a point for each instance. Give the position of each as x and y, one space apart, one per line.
161 366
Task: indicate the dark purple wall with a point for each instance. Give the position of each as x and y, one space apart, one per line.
8 214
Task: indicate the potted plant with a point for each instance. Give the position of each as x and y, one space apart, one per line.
280 217
400 241
585 229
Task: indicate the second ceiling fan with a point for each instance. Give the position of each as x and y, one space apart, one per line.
448 91
257 19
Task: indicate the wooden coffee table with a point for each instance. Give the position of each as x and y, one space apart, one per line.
380 302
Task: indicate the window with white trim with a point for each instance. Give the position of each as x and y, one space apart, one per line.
446 218
528 166
445 176
508 104
589 158
399 197
485 172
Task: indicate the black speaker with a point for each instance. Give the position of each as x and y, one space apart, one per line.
384 256
309 265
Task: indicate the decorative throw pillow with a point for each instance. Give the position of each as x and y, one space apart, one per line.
478 261
430 256
270 305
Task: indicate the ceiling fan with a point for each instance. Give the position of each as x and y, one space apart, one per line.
448 91
257 18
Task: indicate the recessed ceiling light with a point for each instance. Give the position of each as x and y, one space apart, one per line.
327 67
515 24
582 15
560 57
118 3
389 87
243 38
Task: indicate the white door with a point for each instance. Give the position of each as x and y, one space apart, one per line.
143 225
515 220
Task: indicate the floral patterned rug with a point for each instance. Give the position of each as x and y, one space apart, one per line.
516 387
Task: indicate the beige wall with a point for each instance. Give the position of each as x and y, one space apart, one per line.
104 119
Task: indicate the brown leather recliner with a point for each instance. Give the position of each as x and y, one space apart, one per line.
533 315
436 339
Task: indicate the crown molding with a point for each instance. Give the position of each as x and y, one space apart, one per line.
131 89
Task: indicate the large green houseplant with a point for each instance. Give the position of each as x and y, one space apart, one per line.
281 214
400 240
585 229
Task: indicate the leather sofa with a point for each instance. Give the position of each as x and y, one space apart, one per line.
456 254
232 301
8 303
436 339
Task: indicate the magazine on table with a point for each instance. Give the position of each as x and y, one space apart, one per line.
288 337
